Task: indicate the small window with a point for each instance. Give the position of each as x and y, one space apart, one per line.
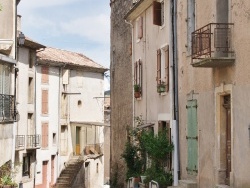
31 59
26 165
158 13
31 90
54 138
79 103
97 168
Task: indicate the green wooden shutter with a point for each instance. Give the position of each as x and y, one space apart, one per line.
192 137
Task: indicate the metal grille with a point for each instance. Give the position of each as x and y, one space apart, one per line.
20 139
214 37
7 110
33 141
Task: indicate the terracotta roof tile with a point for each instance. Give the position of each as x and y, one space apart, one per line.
69 58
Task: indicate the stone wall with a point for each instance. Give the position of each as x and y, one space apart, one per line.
121 88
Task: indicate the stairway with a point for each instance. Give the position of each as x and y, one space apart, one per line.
68 175
185 184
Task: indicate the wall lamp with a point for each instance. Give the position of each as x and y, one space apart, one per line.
21 39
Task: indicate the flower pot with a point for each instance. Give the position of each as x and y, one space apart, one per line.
137 94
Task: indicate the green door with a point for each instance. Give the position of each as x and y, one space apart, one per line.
192 137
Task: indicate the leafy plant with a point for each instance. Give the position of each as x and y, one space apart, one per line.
161 87
137 88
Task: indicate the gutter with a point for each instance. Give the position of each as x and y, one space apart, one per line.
176 102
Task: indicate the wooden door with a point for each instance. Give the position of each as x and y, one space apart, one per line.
227 106
52 170
45 173
78 129
192 138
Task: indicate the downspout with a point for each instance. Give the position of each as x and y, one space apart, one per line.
175 84
132 33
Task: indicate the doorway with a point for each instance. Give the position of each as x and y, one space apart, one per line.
78 131
227 130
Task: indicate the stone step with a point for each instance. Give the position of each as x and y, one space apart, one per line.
222 186
187 184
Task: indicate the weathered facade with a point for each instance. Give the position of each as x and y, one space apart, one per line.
121 88
8 59
213 92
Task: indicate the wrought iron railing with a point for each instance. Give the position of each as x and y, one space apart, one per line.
20 140
7 108
33 141
212 40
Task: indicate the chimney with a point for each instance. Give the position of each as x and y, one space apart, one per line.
19 18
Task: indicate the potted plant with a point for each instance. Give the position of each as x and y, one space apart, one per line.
137 91
161 88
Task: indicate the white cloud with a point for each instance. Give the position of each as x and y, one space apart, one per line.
94 28
32 4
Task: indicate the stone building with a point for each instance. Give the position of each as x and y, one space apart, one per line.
121 87
214 89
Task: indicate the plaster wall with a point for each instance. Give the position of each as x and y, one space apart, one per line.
51 118
96 172
154 38
203 82
8 22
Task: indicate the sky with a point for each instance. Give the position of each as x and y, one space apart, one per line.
76 25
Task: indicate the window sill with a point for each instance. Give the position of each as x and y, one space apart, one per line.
163 93
26 179
138 99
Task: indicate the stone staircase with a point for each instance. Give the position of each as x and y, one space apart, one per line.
68 175
185 184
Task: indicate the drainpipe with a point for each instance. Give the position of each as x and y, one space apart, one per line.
132 31
175 84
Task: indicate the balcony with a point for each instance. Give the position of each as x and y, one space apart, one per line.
20 140
7 108
212 46
93 149
33 141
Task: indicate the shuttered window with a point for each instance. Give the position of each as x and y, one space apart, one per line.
167 68
45 74
138 73
157 13
45 102
45 135
158 77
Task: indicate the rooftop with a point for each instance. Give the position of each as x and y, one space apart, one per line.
69 59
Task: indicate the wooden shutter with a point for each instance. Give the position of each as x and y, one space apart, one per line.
167 68
158 74
45 135
156 13
140 28
192 137
44 101
135 72
45 74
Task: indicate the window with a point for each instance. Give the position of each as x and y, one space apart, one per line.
138 74
139 24
97 168
45 135
6 100
54 138
158 13
26 164
31 90
64 140
31 129
162 68
190 24
45 74
31 59
44 101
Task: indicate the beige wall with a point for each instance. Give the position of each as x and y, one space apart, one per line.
208 84
152 104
